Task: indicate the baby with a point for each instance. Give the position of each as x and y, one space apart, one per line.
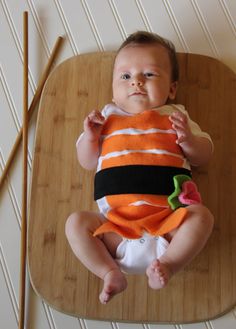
151 217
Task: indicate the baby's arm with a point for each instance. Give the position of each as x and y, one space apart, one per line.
197 149
88 145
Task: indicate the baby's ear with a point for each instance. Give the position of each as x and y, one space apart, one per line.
173 89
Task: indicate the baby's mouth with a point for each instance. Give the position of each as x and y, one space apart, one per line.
138 93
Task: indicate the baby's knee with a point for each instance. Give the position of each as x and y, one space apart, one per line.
74 223
71 225
204 215
80 223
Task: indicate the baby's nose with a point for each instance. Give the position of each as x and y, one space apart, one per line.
137 81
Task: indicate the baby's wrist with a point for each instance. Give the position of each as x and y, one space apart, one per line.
91 138
189 146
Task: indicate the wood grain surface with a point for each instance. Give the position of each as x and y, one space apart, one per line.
207 287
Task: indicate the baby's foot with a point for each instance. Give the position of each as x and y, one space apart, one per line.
114 283
158 274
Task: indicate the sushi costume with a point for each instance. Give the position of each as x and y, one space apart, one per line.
143 182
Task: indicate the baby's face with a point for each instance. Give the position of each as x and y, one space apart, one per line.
142 78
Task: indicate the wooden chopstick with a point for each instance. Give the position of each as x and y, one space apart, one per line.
32 107
24 178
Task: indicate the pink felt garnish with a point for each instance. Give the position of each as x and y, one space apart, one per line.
189 194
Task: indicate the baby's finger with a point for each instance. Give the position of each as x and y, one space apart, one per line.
96 117
181 139
179 126
178 117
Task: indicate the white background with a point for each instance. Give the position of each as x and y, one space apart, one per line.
205 27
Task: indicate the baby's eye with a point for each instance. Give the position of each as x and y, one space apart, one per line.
125 76
149 74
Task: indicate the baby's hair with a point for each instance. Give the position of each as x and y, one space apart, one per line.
148 38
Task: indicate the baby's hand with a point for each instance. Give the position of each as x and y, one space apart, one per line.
180 125
93 125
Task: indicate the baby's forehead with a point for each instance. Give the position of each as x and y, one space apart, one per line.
149 55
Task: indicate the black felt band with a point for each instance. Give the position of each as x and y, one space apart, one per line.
136 179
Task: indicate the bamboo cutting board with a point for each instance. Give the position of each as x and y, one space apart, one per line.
207 287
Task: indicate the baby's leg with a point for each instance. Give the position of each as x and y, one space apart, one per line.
96 253
185 243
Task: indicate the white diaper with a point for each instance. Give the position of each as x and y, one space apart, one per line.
134 256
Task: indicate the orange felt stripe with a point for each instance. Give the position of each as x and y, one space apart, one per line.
153 220
171 222
127 232
125 199
145 120
137 212
143 159
156 224
141 142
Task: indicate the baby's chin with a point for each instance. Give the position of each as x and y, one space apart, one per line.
137 107
132 109
137 110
